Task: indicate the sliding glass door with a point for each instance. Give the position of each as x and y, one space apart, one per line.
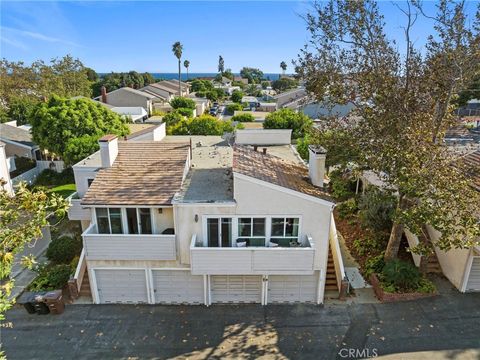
219 232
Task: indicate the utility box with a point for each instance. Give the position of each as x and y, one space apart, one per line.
28 301
54 301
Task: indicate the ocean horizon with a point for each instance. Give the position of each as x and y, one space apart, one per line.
169 76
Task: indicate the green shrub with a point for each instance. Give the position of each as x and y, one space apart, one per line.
22 164
302 147
50 177
342 186
182 102
237 96
185 112
63 249
374 265
172 118
404 276
243 118
347 208
376 210
370 244
51 277
426 286
231 108
289 119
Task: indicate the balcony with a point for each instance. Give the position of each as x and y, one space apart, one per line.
128 246
252 260
77 211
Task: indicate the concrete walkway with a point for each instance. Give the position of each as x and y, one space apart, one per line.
443 327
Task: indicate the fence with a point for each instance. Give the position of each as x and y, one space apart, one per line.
30 175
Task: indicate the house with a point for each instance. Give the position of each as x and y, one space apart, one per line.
5 181
252 101
226 81
18 141
267 106
194 220
240 79
127 97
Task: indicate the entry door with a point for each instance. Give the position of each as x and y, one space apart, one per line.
219 232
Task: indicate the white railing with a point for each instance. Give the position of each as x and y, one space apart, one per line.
80 271
336 254
251 260
76 211
56 165
28 176
128 246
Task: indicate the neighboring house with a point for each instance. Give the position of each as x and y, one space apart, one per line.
267 106
6 183
137 114
252 101
226 81
240 79
290 97
166 90
228 89
127 97
174 83
201 104
18 141
194 220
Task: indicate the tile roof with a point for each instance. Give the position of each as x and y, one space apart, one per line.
16 134
275 170
144 173
472 163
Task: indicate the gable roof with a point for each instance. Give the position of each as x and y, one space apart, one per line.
16 134
275 170
144 173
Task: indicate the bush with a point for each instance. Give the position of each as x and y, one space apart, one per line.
289 119
426 286
376 210
243 118
369 244
185 112
182 102
404 276
342 186
201 125
374 265
347 208
172 118
51 277
63 249
302 147
231 108
50 177
237 96
22 164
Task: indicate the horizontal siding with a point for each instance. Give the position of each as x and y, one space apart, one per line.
251 261
135 247
78 212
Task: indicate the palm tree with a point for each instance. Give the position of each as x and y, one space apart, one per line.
283 65
177 50
186 63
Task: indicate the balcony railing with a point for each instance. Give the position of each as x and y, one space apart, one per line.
252 260
128 246
77 211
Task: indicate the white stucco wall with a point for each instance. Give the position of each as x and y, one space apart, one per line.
263 137
452 262
164 220
82 174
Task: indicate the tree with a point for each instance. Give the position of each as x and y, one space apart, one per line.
186 63
402 108
201 85
172 118
284 84
231 108
201 125
245 117
253 75
21 109
71 128
283 66
91 74
237 96
23 217
114 81
182 102
471 92
288 119
221 64
177 49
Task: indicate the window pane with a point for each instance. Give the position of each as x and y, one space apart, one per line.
226 232
277 226
291 228
212 232
258 227
145 221
132 221
244 226
116 220
102 221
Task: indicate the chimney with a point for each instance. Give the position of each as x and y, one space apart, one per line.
316 164
108 149
104 94
264 150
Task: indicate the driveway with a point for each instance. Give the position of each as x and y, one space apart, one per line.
443 327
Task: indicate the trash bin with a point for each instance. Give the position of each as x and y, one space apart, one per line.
40 307
54 301
27 299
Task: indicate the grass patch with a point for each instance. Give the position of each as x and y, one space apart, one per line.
63 190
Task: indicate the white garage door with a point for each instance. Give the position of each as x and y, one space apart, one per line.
236 288
121 286
177 287
292 288
473 283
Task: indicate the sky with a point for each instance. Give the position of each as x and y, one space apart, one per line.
123 36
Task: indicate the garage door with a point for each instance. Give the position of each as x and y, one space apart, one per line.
473 283
292 288
236 288
177 287
121 286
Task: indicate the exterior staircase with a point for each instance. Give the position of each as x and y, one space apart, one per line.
433 266
331 280
85 287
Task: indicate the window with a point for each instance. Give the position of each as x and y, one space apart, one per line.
132 221
109 220
251 227
285 227
145 221
139 221
89 182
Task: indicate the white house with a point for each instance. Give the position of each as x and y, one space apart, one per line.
18 141
127 97
194 220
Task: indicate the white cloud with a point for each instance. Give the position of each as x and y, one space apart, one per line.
13 43
37 36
